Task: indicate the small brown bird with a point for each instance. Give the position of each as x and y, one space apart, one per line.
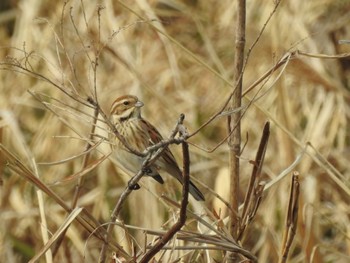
139 134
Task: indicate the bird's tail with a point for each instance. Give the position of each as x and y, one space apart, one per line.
194 191
175 171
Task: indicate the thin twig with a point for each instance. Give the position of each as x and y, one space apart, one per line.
184 202
291 218
13 64
85 218
254 187
86 160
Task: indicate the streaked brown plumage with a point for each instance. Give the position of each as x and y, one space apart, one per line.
139 134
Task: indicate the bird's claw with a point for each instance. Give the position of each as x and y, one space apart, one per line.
134 186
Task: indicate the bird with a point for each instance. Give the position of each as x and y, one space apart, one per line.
139 134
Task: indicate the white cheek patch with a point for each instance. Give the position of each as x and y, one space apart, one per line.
114 119
126 113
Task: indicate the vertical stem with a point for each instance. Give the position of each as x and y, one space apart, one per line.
291 219
2 166
80 182
234 126
184 202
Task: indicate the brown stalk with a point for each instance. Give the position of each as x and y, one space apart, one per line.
132 184
2 162
182 218
218 242
234 142
85 218
58 234
291 219
85 160
284 59
80 182
255 189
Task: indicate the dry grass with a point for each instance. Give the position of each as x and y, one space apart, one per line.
182 71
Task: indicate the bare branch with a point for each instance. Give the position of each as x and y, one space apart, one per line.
182 218
291 218
255 189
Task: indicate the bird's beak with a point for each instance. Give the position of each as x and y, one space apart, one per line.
139 104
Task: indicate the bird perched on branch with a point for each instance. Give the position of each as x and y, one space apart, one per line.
139 134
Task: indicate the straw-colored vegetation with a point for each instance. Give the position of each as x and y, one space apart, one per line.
177 56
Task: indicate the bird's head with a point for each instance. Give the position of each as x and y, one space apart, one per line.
125 107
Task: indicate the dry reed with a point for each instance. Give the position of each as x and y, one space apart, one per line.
177 56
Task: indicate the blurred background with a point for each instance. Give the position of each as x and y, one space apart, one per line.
59 43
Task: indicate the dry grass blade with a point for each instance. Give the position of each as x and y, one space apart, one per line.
85 219
291 218
336 176
2 161
75 57
184 202
218 242
23 66
254 187
93 147
345 55
15 164
65 225
91 166
212 228
286 171
132 185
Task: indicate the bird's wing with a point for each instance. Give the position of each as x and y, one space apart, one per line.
169 164
154 135
154 138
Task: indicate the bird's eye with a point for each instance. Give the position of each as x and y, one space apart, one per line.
126 103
